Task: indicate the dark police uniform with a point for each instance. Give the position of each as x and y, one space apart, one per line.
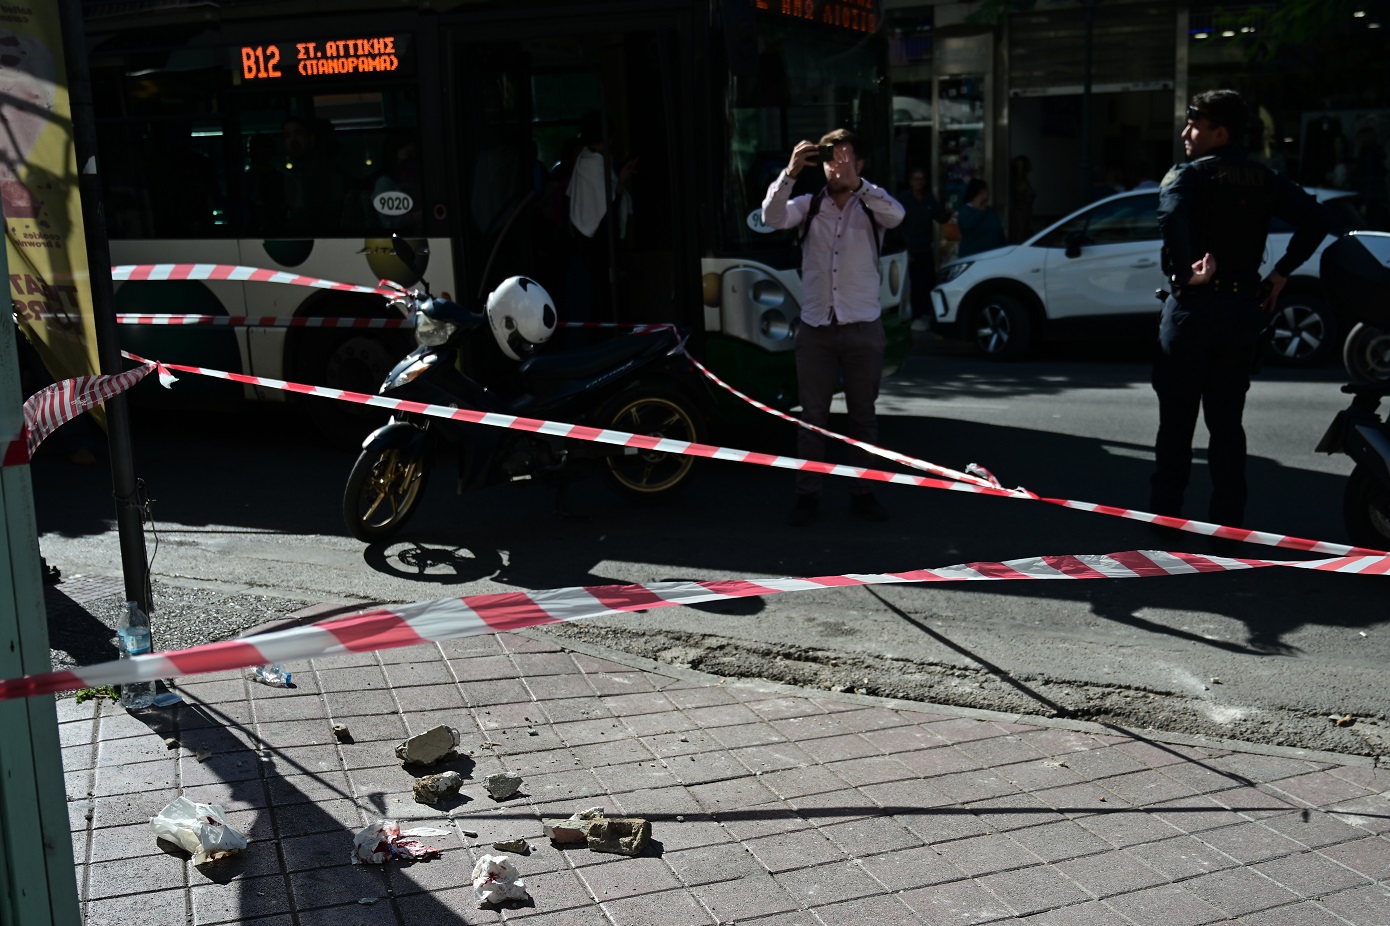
1219 204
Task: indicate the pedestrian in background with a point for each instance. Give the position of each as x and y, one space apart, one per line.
1214 213
980 228
921 208
840 337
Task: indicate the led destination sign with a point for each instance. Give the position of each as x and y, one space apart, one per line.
854 15
338 57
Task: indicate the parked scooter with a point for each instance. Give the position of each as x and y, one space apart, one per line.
1355 273
638 383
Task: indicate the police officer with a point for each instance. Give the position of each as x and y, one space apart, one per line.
1214 213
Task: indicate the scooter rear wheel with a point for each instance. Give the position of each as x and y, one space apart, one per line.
1366 510
383 491
1366 353
653 411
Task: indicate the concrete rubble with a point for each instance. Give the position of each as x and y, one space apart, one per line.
429 747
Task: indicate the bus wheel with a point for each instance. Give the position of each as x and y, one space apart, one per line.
651 411
354 362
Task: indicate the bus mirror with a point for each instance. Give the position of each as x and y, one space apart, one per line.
405 252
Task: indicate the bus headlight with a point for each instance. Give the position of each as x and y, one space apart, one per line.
775 325
432 332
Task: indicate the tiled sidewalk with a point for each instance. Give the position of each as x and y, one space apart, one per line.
770 806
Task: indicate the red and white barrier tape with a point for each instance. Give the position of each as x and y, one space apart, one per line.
453 618
49 408
262 321
887 454
14 450
645 442
152 272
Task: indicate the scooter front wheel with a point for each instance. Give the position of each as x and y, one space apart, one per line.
1366 354
383 490
652 411
1366 510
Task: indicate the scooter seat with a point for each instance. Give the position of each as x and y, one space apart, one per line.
546 370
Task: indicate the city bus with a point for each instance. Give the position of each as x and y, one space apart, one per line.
299 135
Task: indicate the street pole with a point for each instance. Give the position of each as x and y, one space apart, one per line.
1084 169
129 519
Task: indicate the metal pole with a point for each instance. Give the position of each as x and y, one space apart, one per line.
129 522
1084 170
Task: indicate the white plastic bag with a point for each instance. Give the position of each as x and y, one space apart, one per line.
199 828
496 880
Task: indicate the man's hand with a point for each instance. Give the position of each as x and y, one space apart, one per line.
804 153
843 169
1202 271
1273 285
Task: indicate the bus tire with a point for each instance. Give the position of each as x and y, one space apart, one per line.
354 361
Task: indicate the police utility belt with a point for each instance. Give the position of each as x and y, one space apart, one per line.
1219 286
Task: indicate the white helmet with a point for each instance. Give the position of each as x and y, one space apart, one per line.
522 316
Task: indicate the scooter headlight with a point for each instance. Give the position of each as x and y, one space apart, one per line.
432 332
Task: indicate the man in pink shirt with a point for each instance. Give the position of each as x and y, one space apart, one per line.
840 337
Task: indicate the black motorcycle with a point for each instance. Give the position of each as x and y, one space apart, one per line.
637 383
1355 272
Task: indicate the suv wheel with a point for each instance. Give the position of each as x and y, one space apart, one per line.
1303 330
1001 327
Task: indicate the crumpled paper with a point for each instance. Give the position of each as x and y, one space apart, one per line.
383 840
496 880
201 829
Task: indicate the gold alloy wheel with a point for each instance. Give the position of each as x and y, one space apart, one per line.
393 483
650 472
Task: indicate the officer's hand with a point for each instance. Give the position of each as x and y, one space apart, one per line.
802 154
1203 271
1273 285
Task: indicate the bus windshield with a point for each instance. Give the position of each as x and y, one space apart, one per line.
803 81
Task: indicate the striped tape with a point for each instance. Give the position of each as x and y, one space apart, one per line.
473 615
51 407
14 450
645 442
152 272
262 321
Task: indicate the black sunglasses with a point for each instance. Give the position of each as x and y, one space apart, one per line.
1193 114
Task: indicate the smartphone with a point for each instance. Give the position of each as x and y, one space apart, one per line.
826 152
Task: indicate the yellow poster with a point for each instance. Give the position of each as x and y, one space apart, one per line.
44 237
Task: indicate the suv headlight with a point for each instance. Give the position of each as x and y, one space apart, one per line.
954 270
432 332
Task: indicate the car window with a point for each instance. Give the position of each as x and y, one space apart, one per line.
1134 218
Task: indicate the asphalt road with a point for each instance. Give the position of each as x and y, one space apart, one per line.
246 517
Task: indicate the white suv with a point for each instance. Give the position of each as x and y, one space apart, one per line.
1097 270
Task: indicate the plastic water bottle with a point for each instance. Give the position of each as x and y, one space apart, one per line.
133 632
273 675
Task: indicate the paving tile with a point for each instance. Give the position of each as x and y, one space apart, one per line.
132 840
848 746
1369 856
1039 775
1168 905
1195 814
793 850
239 901
1055 842
905 869
936 762
487 693
613 878
523 643
1239 891
1127 828
898 740
1082 799
718 863
960 729
330 816
1001 750
783 707
721 715
1033 890
1154 755
1057 742
618 752
272 709
751 894
157 870
806 729
733 794
1314 828
708 766
311 887
1319 789
1014 811
1200 779
1253 803
1090 913
169 906
858 838
772 757
1299 914
1256 767
669 908
620 683
680 743
456 907
747 823
974 785
1372 779
670 723
827 884
540 664
1250 842
759 733
1145 788
981 855
1370 814
691 695
960 902
1110 873
869 770
1181 857
801 781
834 806
1310 874
324 849
1365 906
866 910
136 778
